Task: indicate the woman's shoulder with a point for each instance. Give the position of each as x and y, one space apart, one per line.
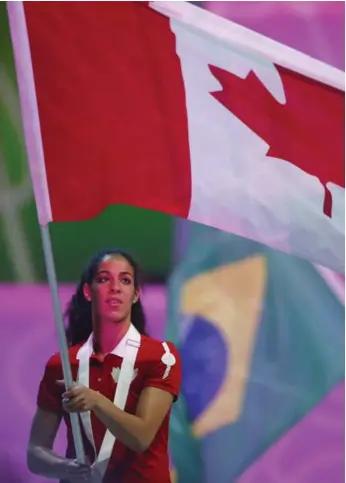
153 349
54 361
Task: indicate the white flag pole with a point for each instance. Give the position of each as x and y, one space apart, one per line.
33 140
60 330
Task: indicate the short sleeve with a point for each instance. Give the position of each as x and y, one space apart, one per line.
165 370
49 393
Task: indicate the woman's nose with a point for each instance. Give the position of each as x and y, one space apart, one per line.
115 286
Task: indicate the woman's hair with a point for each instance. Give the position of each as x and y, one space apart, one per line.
78 313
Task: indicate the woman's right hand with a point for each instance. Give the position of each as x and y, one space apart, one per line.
75 472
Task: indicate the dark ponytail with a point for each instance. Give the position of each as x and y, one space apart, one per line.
138 317
78 313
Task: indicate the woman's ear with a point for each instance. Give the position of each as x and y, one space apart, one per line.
87 292
136 296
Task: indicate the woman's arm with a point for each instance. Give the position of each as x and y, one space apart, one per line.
136 431
41 458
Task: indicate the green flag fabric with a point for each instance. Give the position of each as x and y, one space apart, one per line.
261 337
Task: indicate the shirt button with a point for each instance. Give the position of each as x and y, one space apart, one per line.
99 379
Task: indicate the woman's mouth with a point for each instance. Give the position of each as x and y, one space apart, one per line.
114 302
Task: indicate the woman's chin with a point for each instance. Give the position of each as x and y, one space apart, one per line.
115 318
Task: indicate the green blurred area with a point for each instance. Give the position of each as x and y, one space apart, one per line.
147 235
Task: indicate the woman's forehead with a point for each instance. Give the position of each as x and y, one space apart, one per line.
115 263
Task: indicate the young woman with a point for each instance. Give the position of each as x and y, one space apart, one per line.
106 328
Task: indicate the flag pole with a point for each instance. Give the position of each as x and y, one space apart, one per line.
32 134
60 330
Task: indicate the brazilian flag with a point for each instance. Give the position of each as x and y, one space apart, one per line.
261 337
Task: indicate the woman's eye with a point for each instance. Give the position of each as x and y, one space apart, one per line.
102 280
126 281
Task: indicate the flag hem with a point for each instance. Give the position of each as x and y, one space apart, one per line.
226 31
29 109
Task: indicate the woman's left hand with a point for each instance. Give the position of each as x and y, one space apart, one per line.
78 398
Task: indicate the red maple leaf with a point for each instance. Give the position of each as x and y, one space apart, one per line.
307 131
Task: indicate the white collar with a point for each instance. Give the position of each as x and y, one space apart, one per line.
119 350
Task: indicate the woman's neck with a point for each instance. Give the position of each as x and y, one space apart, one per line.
108 335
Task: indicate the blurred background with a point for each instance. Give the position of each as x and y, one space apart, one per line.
261 333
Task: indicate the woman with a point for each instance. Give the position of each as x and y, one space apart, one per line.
106 335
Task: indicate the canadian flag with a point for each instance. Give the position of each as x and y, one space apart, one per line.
167 107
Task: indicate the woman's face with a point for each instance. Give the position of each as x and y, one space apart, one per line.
112 291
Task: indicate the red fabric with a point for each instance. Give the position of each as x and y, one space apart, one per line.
126 465
112 107
307 131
